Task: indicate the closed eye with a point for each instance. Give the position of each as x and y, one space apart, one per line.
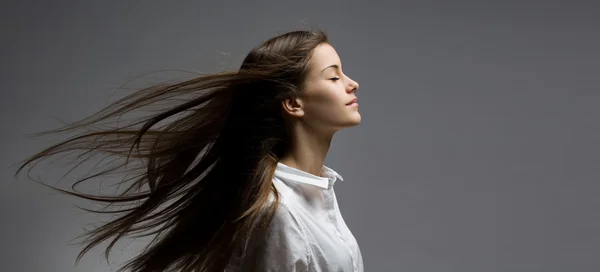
334 79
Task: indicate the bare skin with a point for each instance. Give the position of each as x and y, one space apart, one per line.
324 108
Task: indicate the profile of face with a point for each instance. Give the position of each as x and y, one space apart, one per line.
328 102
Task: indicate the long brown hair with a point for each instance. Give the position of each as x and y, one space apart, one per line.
198 182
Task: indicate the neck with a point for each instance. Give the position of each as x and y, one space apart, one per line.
307 150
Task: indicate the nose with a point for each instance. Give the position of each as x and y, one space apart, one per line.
353 85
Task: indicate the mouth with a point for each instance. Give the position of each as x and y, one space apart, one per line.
353 102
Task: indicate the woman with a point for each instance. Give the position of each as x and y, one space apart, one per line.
236 180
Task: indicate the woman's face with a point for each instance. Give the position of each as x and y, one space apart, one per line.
328 100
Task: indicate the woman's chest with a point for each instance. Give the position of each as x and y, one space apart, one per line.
332 243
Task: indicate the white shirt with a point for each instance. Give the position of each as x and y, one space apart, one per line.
307 233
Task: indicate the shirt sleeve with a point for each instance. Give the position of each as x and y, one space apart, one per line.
281 247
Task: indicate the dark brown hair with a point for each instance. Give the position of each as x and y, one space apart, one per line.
200 181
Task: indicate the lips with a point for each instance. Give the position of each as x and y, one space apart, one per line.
352 102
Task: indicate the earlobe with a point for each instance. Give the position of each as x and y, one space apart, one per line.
293 107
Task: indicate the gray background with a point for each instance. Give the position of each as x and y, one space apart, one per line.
478 149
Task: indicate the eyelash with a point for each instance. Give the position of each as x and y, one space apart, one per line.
334 79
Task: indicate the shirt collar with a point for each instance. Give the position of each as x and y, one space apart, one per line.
296 175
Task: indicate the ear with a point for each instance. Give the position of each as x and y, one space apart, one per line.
293 107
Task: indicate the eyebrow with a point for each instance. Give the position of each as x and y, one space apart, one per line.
331 66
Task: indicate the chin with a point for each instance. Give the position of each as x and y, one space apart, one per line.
355 120
348 122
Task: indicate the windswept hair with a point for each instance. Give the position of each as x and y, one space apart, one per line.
199 173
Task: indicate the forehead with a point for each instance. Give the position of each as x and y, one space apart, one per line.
323 56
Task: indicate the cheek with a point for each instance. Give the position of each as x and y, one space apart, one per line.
328 99
324 100
325 93
325 105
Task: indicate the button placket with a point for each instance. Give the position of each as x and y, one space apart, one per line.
332 217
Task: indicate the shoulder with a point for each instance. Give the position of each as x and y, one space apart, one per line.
280 245
284 222
286 218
